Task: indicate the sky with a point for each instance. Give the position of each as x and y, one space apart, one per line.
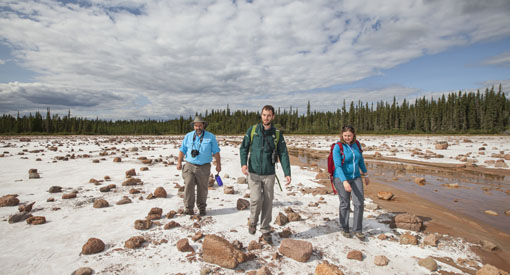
135 59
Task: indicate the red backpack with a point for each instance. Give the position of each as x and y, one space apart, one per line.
331 163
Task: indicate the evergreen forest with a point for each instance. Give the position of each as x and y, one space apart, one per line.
454 113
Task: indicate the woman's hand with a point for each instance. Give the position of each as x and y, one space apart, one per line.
347 186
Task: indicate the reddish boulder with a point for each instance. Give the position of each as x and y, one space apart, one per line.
100 203
171 224
160 192
9 200
131 181
242 204
325 268
26 207
355 255
183 246
296 249
92 246
385 195
408 221
69 196
36 220
217 250
130 172
134 242
281 219
143 224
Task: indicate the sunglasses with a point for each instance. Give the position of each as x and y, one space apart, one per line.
347 128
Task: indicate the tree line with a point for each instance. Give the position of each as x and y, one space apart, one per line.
454 113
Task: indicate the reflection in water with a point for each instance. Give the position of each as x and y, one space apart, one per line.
468 192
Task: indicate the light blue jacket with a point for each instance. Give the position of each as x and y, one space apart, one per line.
353 162
207 147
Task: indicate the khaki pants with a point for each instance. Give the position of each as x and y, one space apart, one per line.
261 200
195 175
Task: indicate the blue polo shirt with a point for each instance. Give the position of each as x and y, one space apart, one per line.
207 146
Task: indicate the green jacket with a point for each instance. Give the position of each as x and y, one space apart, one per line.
262 147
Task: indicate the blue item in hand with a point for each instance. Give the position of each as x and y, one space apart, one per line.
218 180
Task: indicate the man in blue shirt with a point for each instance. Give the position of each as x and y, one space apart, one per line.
199 146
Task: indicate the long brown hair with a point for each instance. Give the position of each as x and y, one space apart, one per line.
348 129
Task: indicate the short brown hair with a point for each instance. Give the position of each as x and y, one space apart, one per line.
269 108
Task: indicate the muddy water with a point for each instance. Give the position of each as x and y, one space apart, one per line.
467 192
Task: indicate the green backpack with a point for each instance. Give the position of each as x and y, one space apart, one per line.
254 128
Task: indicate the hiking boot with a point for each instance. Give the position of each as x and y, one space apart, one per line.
347 234
252 229
188 212
202 212
359 235
267 238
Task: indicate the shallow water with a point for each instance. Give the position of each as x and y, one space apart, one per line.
467 192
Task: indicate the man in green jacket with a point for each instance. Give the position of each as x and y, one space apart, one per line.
263 145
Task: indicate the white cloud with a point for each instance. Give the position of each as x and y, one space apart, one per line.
189 55
501 60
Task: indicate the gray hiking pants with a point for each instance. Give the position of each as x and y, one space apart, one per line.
261 200
195 175
358 199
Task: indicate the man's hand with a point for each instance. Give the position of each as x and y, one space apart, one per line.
347 186
245 169
179 165
218 167
288 180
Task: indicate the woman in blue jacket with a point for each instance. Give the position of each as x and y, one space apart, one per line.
347 180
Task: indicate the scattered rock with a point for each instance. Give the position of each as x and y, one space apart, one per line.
408 221
143 224
9 200
355 255
488 245
55 189
285 233
296 249
117 159
197 236
385 195
431 240
104 189
124 200
160 192
254 245
83 271
441 145
241 180
155 213
507 212
100 203
229 190
183 246
488 269
325 268
134 242
263 271
382 237
134 191
131 181
281 219
420 181
19 217
408 239
26 207
171 214
428 263
32 174
293 217
92 246
217 250
491 212
69 196
381 260
130 172
500 163
242 204
171 224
